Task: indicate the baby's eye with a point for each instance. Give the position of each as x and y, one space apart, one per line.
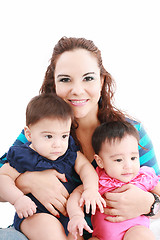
48 136
118 160
89 78
65 136
133 158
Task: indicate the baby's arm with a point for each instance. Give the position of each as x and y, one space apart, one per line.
76 215
9 192
90 179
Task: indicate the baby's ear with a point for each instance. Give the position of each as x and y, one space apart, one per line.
27 133
98 160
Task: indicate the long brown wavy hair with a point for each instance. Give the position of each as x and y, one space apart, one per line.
107 111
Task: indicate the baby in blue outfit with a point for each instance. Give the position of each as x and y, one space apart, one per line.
49 146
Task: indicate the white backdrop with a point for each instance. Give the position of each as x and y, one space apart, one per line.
126 31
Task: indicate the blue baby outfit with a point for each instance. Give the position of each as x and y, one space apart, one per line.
23 158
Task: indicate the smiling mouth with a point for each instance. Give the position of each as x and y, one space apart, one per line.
78 102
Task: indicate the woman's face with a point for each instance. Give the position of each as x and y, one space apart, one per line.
78 82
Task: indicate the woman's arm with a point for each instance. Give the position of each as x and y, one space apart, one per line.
47 188
147 154
127 202
126 207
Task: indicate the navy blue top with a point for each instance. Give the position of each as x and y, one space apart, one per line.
23 158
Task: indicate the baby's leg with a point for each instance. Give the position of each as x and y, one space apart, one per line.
71 237
139 233
93 238
42 226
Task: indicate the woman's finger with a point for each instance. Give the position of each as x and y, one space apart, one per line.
51 209
115 219
111 211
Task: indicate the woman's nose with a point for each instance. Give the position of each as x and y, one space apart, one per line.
77 88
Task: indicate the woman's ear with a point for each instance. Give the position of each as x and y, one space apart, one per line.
102 82
98 160
27 133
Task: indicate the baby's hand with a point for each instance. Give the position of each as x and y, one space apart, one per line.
25 207
76 225
91 198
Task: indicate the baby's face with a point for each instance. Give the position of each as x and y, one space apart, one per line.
50 137
121 158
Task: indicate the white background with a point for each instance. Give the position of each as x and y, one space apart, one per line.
127 33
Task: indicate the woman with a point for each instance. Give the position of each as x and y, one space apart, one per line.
77 75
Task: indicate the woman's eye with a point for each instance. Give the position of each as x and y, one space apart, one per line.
64 80
89 78
48 136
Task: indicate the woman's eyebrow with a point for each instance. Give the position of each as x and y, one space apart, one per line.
66 75
88 73
62 75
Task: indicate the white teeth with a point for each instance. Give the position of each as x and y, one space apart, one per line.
78 101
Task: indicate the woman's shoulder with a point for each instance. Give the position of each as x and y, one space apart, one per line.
21 139
137 124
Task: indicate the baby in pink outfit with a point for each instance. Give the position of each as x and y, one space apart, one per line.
146 179
117 156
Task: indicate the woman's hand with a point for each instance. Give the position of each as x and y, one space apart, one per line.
47 188
127 202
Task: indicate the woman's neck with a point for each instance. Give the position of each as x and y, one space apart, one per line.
84 124
84 134
88 122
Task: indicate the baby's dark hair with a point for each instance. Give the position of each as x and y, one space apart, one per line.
112 131
47 105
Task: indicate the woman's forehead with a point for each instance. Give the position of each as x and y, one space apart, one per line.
76 59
